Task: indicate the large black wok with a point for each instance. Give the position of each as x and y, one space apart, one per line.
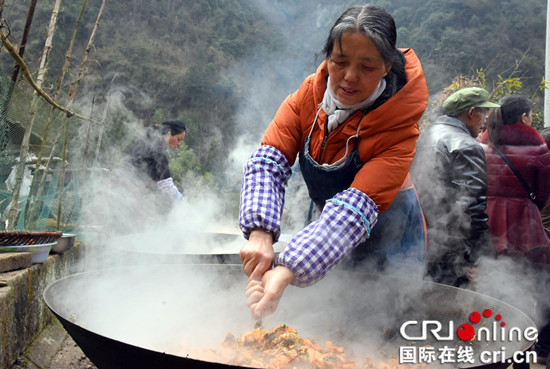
151 316
190 247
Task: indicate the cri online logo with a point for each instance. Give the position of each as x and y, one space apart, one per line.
467 332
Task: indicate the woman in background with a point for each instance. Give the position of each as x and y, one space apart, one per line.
514 218
149 155
515 222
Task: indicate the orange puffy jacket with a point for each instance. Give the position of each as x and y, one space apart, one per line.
387 137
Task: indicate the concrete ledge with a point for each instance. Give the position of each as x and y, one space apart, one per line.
23 313
15 260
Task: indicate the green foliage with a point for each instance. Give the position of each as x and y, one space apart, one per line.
503 87
456 37
510 86
538 120
159 115
183 160
188 173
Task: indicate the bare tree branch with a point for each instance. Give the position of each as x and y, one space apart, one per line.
76 83
7 44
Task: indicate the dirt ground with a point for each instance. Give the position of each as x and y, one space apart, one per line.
70 356
53 349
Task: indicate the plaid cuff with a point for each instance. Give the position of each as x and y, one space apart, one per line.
345 222
263 191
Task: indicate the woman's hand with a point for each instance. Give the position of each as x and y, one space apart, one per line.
263 296
257 254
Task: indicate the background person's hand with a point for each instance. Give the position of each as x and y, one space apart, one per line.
473 275
257 254
263 296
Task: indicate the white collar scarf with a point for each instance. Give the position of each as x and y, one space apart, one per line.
338 113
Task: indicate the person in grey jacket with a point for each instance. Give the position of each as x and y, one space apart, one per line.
449 172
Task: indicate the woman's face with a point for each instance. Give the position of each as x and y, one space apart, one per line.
175 140
527 118
355 68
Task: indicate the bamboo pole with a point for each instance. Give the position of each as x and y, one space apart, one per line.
62 175
24 39
74 86
100 135
57 91
66 63
87 139
101 128
43 66
72 92
12 215
40 180
1 12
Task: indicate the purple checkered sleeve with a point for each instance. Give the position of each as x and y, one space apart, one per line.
263 191
345 222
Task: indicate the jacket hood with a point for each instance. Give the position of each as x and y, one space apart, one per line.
518 134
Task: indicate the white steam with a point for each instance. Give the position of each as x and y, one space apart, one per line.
127 224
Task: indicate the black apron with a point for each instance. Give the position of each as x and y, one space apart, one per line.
323 181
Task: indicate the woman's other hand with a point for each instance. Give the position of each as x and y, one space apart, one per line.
257 254
263 296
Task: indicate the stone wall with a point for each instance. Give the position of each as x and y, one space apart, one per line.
23 313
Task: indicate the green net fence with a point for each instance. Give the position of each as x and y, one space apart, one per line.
40 167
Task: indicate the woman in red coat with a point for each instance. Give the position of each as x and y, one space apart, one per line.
514 216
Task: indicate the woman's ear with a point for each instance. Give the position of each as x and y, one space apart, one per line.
388 68
524 118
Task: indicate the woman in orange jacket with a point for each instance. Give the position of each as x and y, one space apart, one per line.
354 125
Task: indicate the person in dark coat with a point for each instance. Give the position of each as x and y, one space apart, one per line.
450 174
149 155
514 219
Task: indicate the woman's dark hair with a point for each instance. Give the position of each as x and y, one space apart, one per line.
512 107
546 135
371 21
173 126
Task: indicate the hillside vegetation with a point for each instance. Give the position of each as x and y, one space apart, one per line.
224 66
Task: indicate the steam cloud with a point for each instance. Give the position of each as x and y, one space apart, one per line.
137 229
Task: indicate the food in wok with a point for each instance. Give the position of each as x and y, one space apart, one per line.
283 348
